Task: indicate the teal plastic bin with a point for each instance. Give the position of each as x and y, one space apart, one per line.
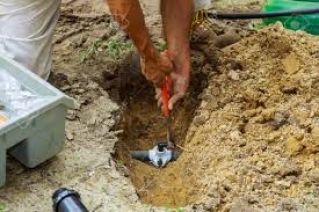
38 133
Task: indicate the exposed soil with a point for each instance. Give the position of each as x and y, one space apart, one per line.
144 127
85 164
248 128
254 145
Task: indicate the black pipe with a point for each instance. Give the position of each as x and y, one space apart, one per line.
257 15
175 156
140 155
66 200
143 155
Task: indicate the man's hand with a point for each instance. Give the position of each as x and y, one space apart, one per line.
156 67
180 77
180 86
177 16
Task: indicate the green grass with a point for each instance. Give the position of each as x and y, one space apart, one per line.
119 163
313 194
2 207
259 25
113 48
160 45
175 210
91 51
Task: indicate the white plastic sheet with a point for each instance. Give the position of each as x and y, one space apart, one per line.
15 99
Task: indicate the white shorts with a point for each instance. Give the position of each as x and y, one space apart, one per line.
26 32
201 4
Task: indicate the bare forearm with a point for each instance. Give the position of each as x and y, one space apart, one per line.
177 17
129 15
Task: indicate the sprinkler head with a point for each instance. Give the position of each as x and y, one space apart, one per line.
159 156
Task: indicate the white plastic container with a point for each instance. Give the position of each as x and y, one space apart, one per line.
32 116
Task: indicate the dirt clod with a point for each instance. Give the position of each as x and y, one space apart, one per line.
294 146
314 175
291 63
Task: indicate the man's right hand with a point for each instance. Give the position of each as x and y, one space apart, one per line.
180 76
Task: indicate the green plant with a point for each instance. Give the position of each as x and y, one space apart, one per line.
104 189
312 194
91 50
175 210
160 45
119 163
257 25
115 48
2 207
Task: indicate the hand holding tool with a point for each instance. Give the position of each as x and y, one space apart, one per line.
163 152
166 95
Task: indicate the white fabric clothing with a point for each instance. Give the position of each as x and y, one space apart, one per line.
27 27
201 4
26 32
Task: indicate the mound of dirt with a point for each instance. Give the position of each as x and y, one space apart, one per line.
255 140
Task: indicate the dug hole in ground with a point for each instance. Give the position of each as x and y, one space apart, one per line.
248 127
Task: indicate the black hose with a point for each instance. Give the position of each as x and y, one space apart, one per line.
252 15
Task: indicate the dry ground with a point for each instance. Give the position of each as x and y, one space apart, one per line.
248 128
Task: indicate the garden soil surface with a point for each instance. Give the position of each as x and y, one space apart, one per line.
248 129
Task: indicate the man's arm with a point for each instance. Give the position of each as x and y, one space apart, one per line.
177 18
129 15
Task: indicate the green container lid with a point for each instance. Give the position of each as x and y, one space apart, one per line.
308 23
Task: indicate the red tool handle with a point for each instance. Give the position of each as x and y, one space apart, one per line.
166 94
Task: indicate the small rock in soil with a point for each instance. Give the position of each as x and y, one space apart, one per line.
280 119
315 133
199 120
293 146
288 205
291 63
314 175
69 135
290 170
227 39
283 184
241 205
233 75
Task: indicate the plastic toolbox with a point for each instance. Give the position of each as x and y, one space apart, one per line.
32 116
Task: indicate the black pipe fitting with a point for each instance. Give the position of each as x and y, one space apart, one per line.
67 200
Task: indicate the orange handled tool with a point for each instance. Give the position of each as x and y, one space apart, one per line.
166 94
